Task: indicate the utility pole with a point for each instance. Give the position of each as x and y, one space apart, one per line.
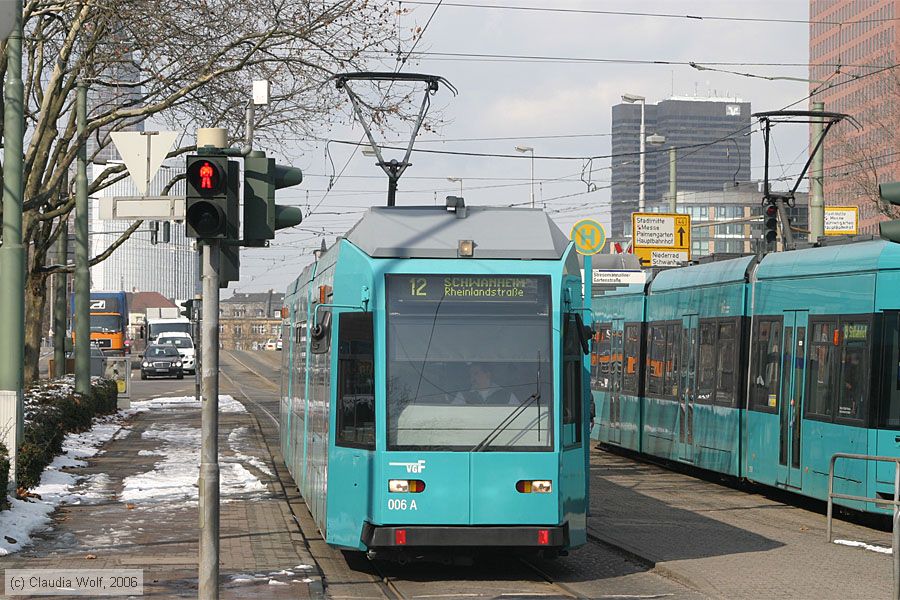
59 300
816 183
82 313
12 253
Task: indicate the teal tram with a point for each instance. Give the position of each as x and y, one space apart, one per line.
817 332
435 384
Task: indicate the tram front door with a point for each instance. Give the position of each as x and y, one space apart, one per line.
793 379
687 389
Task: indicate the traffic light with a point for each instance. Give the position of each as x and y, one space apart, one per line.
154 232
890 230
770 223
212 197
262 177
187 309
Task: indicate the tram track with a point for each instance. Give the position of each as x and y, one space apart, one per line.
424 581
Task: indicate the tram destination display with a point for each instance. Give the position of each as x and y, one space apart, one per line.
462 288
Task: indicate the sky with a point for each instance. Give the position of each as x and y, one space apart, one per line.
561 108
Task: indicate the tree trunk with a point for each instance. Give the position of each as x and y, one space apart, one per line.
35 301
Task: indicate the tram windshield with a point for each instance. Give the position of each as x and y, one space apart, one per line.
469 363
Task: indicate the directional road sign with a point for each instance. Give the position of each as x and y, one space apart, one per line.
589 237
661 239
841 220
143 153
7 18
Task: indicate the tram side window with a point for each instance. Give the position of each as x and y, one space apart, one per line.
572 377
766 364
890 376
727 356
656 359
356 381
671 383
601 359
821 387
706 384
632 351
854 370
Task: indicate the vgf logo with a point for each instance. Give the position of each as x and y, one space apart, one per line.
411 467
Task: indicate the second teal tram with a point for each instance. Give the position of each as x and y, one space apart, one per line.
435 379
760 368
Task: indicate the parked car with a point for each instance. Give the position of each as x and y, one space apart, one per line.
161 361
278 344
185 346
270 344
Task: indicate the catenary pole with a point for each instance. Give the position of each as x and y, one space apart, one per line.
81 313
59 300
12 253
209 414
816 188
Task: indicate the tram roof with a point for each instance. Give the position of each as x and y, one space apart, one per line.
435 232
831 260
726 271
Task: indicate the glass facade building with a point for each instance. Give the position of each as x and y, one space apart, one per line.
711 145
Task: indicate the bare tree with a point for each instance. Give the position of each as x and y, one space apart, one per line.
182 63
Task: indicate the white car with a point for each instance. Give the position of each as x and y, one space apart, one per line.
185 346
270 344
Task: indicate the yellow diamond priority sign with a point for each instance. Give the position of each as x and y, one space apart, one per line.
589 236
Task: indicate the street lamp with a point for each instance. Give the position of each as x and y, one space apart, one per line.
457 179
659 140
524 149
632 98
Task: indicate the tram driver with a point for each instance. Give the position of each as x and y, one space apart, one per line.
483 389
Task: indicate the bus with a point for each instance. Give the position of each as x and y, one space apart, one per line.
109 321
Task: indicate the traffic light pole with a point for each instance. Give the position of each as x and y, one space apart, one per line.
209 419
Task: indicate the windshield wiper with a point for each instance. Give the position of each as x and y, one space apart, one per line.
506 422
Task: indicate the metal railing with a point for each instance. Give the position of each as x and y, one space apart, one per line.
895 535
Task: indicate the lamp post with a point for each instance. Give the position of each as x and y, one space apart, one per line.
524 149
632 98
455 180
658 140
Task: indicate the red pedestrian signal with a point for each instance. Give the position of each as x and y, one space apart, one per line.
206 177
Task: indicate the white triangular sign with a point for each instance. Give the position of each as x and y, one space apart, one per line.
133 147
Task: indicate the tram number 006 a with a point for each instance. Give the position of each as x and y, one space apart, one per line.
398 504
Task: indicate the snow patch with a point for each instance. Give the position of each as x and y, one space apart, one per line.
25 517
227 404
174 477
865 546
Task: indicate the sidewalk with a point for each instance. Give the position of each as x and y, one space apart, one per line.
729 543
136 507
